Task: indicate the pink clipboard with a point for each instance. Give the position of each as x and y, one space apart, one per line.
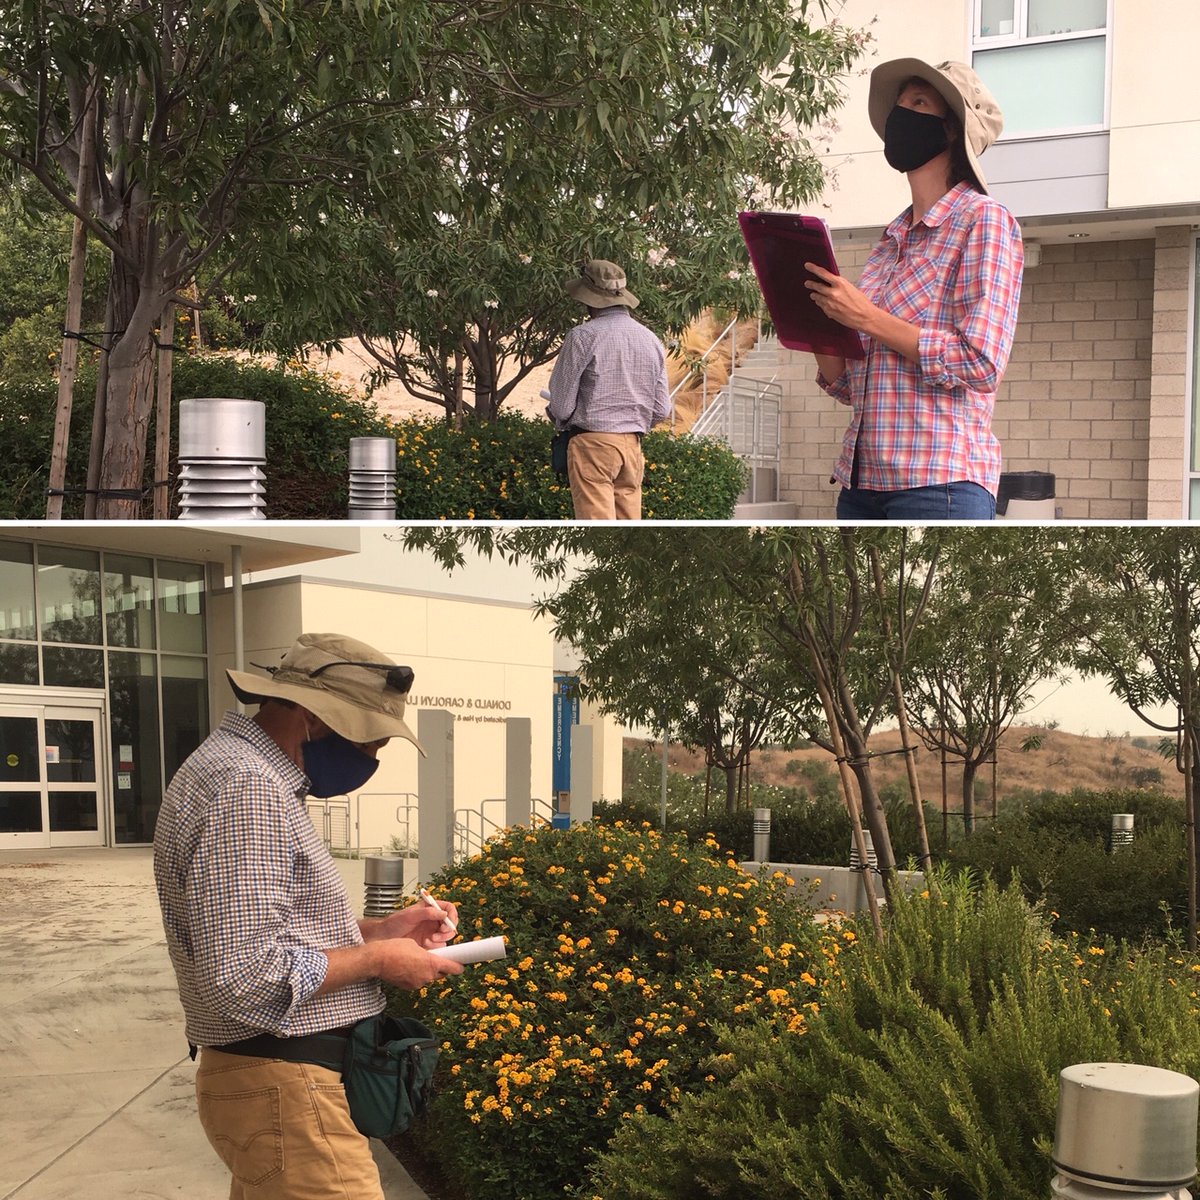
779 245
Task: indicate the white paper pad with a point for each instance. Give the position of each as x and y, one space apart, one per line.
481 950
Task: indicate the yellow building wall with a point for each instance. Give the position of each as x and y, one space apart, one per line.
1154 149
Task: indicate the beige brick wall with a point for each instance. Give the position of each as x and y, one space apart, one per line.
1169 390
1077 398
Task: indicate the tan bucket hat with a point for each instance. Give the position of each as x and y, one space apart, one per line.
957 84
601 284
357 691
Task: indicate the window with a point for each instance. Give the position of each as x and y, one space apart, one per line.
1046 62
68 591
181 606
129 601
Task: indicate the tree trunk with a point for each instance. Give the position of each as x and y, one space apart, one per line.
162 416
70 351
136 306
968 795
1191 776
99 408
731 788
875 818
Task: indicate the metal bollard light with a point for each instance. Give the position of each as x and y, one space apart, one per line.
372 479
1124 1131
383 883
1122 831
872 858
762 835
222 451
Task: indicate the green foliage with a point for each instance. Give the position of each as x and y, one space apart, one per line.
1058 848
30 347
26 431
932 1072
625 950
310 422
502 471
34 253
309 426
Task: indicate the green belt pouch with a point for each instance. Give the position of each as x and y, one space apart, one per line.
388 1073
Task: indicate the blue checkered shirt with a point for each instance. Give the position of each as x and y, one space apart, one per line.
250 895
610 376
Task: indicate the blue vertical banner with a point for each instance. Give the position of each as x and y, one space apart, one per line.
566 714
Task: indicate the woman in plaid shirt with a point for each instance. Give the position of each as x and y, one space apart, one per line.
935 308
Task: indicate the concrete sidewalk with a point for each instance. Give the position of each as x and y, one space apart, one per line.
96 1085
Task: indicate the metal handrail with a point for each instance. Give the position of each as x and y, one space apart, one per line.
748 415
730 329
466 839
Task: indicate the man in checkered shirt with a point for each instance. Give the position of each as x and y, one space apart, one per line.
609 387
273 967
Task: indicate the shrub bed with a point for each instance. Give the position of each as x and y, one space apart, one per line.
1058 847
626 950
498 471
932 1070
502 472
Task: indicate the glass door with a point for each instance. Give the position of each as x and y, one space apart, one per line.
50 789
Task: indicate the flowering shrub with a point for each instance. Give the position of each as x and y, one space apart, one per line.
497 471
933 1070
502 471
625 949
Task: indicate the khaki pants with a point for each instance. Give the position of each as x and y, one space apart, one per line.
284 1130
605 470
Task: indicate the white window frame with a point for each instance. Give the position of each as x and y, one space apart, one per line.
1019 38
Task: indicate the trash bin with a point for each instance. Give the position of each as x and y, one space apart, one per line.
1025 496
560 820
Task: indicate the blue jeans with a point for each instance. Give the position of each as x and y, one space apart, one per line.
961 501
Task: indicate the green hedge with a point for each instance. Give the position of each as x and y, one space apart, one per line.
502 472
496 471
1058 847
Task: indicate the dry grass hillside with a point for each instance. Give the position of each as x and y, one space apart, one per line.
1063 762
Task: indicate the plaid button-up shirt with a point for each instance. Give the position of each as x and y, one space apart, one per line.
610 376
250 896
957 274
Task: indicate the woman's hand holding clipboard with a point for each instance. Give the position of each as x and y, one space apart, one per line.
784 250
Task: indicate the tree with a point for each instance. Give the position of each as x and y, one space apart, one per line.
662 120
1140 589
659 651
191 138
998 622
793 603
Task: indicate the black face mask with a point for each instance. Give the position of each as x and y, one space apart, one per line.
336 767
911 138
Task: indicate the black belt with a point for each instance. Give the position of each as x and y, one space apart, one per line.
614 432
326 1049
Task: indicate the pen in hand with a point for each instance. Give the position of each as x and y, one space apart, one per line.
447 924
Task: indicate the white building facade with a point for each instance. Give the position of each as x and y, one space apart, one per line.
113 649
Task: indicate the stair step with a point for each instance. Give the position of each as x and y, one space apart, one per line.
777 510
